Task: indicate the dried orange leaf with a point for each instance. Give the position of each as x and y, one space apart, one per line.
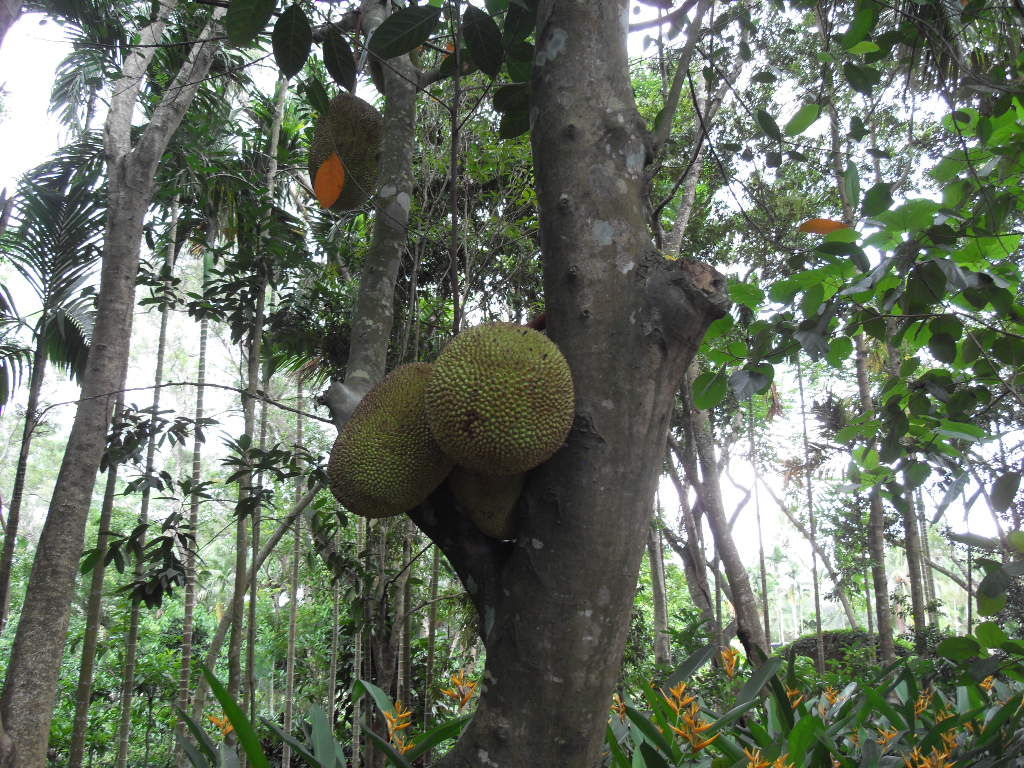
330 181
821 226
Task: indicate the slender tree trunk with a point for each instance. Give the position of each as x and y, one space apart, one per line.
132 640
185 676
876 523
812 525
293 611
931 603
429 673
14 506
331 683
93 612
358 661
662 652
912 540
700 452
402 618
26 709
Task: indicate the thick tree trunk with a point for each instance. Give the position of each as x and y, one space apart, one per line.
10 10
554 606
93 611
31 684
132 639
662 652
18 492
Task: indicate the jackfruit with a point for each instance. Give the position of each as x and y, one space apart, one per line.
385 460
353 129
501 399
488 500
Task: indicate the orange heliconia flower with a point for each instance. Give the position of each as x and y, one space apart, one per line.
885 736
730 657
754 759
462 689
795 697
223 724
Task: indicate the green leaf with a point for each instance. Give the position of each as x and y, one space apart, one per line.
317 96
494 7
246 734
767 125
758 678
959 648
990 634
1016 540
861 78
802 736
652 758
447 730
483 39
877 199
943 347
204 742
691 664
803 119
385 746
709 389
1004 490
514 124
648 729
746 294
746 382
512 98
245 19
292 40
851 184
864 46
294 743
339 59
404 31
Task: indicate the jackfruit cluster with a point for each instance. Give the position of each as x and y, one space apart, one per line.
352 128
498 401
385 460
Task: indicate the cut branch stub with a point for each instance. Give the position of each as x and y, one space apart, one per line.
351 129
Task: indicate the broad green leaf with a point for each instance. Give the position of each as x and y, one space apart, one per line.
246 733
719 327
864 46
385 747
339 59
1004 490
990 634
446 730
861 78
758 678
877 199
245 19
404 30
649 729
512 98
803 119
691 664
1016 540
802 736
863 23
746 382
652 758
514 124
292 40
494 7
203 740
483 38
851 185
943 347
767 125
709 389
746 294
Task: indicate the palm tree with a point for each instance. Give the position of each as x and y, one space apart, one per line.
55 249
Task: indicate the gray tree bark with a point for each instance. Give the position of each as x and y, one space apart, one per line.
554 606
656 562
31 684
10 10
93 610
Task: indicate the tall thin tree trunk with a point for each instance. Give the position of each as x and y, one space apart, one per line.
700 452
662 652
293 612
26 709
812 524
185 676
93 612
760 531
132 639
911 532
331 683
358 661
14 506
931 603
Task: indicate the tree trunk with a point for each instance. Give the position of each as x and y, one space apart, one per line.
699 452
26 709
554 607
662 652
927 571
132 639
14 506
93 610
293 609
10 10
876 523
429 673
185 677
912 538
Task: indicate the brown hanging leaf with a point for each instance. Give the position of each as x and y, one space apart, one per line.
330 180
821 226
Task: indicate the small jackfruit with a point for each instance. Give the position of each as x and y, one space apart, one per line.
385 460
488 500
501 399
352 128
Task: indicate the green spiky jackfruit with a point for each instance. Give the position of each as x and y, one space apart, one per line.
353 129
385 460
501 399
488 500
